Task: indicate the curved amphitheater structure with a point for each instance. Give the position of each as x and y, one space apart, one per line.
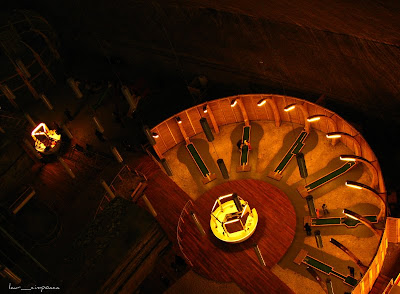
287 170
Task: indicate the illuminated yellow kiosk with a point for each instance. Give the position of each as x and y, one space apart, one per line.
46 141
232 220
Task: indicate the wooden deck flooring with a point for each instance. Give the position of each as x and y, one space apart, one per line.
223 262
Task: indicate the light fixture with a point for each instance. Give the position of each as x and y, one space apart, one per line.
354 185
357 146
362 219
262 102
290 107
155 135
233 102
348 157
313 118
178 119
361 186
351 214
334 135
205 108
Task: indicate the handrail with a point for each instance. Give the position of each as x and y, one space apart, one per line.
178 228
112 187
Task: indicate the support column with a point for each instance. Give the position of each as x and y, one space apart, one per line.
116 154
149 206
67 168
244 112
212 118
9 94
30 120
27 83
72 83
198 224
108 189
275 111
32 149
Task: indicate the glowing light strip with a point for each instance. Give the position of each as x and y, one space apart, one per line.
349 215
313 118
244 210
216 201
262 102
290 107
38 127
333 136
226 196
353 186
231 221
346 158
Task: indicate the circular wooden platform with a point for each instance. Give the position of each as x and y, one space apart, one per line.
221 261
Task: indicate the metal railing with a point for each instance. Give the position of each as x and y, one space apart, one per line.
179 230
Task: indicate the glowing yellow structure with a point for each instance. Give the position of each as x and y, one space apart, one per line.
232 220
46 141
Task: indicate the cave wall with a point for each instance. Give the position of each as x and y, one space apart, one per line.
346 50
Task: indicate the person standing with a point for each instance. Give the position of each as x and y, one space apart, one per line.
325 209
308 229
351 269
317 212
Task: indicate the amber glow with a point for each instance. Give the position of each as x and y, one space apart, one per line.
290 107
155 135
333 136
313 118
348 213
353 185
262 102
205 108
226 213
233 103
44 138
178 119
347 158
232 221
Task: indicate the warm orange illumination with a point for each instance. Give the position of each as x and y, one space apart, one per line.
313 118
155 135
350 216
232 221
244 210
347 158
290 107
226 196
262 102
205 108
353 185
333 136
227 212
233 103
48 138
178 119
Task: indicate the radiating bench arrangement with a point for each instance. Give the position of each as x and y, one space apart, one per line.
304 190
303 257
293 150
244 151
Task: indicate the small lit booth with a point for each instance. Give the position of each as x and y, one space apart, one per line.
46 141
232 219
